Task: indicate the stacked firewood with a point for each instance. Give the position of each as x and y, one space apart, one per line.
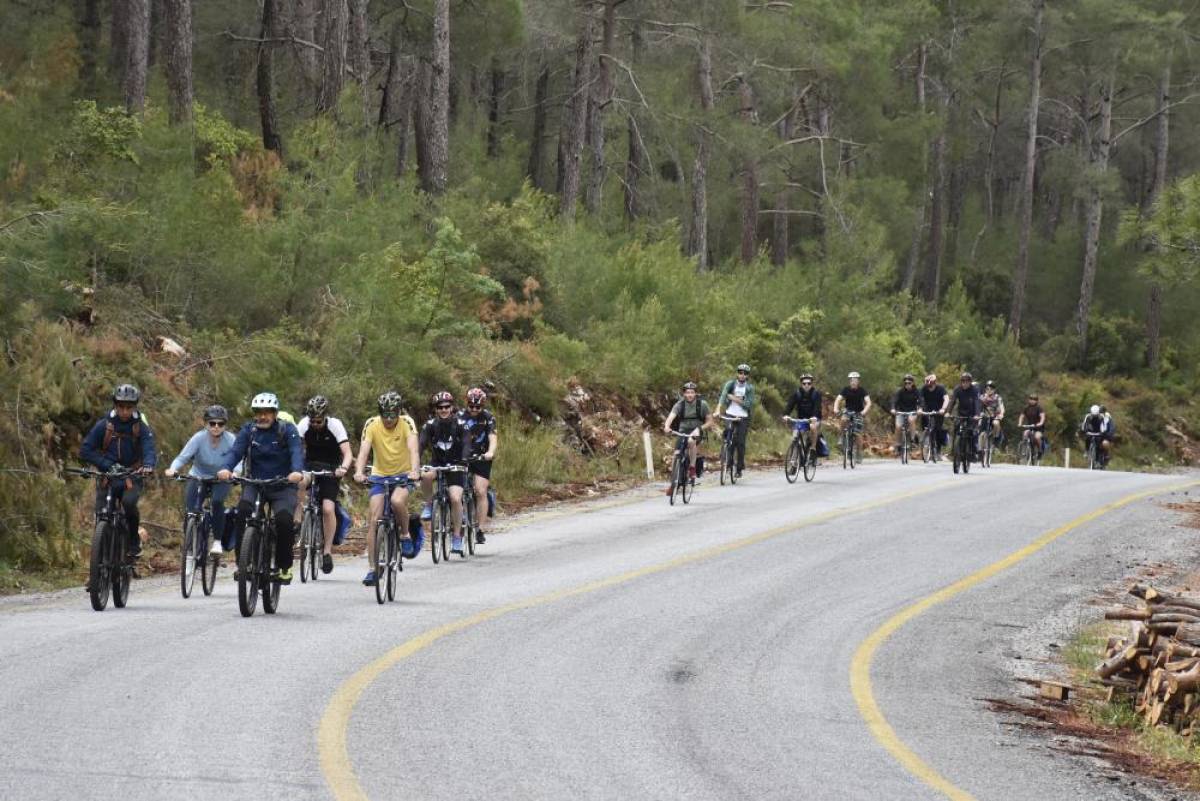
1158 664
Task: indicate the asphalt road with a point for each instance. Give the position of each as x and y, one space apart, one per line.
622 649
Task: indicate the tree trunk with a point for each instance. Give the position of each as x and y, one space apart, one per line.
422 125
783 198
636 158
360 53
1021 273
494 95
118 40
404 116
178 59
265 79
137 50
1101 147
536 169
333 65
89 46
439 111
697 245
389 101
1161 144
157 19
957 198
937 201
575 123
922 211
749 178
601 97
301 24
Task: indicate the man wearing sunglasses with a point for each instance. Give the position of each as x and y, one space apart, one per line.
481 435
391 438
905 404
207 451
445 438
805 404
934 402
326 447
737 400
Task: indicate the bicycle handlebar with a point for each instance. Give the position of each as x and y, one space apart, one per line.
800 419
692 435
259 482
729 419
94 473
447 468
181 479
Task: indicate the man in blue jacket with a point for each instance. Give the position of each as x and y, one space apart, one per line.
271 448
122 440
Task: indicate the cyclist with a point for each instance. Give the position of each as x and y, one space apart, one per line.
737 400
1097 421
481 438
445 437
690 413
993 405
965 401
392 438
905 403
122 440
326 447
207 451
271 449
1033 415
805 404
934 402
854 397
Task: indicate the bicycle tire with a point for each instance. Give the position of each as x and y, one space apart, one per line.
270 581
99 574
966 455
855 460
248 577
673 483
433 536
121 571
722 460
689 483
212 561
305 543
792 462
462 554
926 447
187 557
809 462
381 559
470 524
393 559
442 511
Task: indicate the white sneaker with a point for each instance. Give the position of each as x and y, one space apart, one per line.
216 548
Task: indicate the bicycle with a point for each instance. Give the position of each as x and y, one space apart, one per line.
1095 453
197 536
802 453
388 559
964 438
470 524
257 573
851 441
312 528
986 444
729 450
931 441
110 571
681 482
1028 452
442 521
904 444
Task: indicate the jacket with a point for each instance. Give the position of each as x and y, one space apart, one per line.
130 444
747 402
269 452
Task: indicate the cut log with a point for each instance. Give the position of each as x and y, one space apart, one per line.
1186 682
1126 613
1164 628
1174 617
1114 665
1188 633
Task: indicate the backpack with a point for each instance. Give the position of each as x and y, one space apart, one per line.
110 433
411 548
344 522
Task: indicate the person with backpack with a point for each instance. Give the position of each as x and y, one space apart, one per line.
737 401
271 449
690 414
122 440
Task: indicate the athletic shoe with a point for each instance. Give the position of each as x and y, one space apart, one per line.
427 511
285 576
480 539
369 580
326 563
456 545
691 472
216 548
135 549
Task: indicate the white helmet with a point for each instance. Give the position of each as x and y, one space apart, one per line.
854 375
265 400
1095 410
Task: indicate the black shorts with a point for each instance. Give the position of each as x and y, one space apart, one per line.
453 479
327 486
481 468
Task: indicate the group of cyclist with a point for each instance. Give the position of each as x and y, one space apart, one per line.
271 447
930 403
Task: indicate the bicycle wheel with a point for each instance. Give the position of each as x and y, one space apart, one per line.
470 526
965 456
212 562
441 511
270 580
1091 454
731 466
122 573
724 459
809 461
381 559
393 559
99 570
248 575
792 462
926 446
305 544
188 556
674 481
688 482
433 537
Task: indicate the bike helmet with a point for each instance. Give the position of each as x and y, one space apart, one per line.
390 403
966 377
318 406
265 400
806 377
215 412
854 375
126 393
931 379
689 385
1103 409
743 368
476 396
990 383
442 397
1095 409
910 377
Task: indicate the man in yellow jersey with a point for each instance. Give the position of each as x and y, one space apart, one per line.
392 438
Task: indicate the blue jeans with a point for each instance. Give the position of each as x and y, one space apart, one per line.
194 500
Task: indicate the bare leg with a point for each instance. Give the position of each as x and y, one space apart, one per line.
329 521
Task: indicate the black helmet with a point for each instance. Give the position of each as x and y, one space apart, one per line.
1103 409
126 393
215 412
318 406
689 385
390 403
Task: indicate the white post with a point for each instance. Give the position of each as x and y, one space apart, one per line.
649 454
1067 458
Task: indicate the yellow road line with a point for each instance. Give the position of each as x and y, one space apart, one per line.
333 730
860 665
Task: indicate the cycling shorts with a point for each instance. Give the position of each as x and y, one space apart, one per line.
379 484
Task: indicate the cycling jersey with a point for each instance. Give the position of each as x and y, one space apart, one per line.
323 445
966 401
389 448
907 399
1032 414
805 405
856 398
690 416
991 404
932 398
479 428
206 458
446 440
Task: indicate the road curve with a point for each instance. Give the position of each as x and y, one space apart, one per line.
617 650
